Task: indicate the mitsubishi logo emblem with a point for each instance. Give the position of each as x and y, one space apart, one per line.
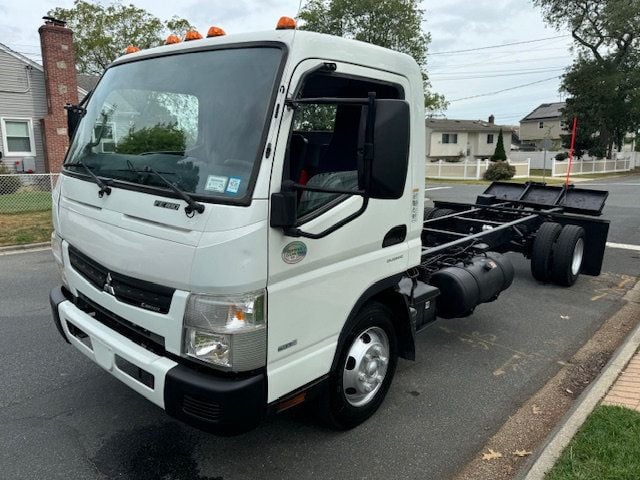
107 286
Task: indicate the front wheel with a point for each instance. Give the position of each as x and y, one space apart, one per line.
364 370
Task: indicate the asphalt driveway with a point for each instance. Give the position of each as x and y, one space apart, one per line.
62 417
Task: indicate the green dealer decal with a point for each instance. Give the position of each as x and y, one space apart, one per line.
294 252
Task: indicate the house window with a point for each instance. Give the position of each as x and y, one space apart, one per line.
17 137
490 138
449 138
540 124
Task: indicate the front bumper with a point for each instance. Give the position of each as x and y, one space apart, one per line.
220 405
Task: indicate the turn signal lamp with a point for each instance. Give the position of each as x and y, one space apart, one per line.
286 23
192 35
171 39
215 32
131 49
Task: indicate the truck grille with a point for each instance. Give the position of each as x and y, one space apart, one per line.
149 340
139 293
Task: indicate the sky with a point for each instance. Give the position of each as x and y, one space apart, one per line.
454 25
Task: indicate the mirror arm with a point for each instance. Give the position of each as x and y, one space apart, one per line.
296 232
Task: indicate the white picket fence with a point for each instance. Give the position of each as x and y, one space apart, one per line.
622 163
470 169
538 158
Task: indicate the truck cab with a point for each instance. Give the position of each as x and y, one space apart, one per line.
235 221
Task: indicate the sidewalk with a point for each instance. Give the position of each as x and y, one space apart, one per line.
626 390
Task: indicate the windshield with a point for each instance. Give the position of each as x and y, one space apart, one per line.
197 118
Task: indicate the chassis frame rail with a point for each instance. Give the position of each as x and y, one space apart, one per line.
509 221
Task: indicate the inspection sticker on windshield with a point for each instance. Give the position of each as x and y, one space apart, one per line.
234 185
216 184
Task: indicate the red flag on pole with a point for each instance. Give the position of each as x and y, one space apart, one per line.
573 144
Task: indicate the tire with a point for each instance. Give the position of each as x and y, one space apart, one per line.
568 253
542 251
437 212
347 402
428 213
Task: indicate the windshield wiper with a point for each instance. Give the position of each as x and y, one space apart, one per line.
192 205
164 152
104 186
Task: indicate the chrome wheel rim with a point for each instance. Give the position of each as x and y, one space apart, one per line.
365 367
578 252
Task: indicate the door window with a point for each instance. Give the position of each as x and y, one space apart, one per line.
326 141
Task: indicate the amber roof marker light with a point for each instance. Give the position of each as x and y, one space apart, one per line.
286 23
192 35
171 39
131 49
215 32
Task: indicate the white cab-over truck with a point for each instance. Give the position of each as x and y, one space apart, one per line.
240 228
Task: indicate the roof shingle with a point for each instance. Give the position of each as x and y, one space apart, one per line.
445 124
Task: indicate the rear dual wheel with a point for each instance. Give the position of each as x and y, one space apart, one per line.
568 252
557 253
435 212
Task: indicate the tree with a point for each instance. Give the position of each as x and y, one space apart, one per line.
597 26
499 154
159 138
102 32
394 24
606 101
603 84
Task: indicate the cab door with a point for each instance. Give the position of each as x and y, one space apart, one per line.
313 284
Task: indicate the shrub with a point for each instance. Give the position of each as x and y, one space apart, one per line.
10 184
562 156
499 171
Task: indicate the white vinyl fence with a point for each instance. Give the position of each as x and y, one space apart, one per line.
26 192
469 169
590 165
622 163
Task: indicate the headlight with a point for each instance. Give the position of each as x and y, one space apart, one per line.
56 249
227 331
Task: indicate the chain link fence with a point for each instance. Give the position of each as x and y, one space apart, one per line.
26 193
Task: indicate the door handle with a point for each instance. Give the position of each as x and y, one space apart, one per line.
394 236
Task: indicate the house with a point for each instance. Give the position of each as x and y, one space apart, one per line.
453 139
33 124
544 123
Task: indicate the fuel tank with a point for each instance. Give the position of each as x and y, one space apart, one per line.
466 285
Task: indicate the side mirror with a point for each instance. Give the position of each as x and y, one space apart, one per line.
74 115
284 209
390 149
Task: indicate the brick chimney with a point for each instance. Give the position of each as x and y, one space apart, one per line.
492 119
59 63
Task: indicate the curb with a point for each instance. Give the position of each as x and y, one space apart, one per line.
560 437
24 248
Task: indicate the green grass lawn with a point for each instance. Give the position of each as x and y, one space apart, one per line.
607 447
25 201
25 228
